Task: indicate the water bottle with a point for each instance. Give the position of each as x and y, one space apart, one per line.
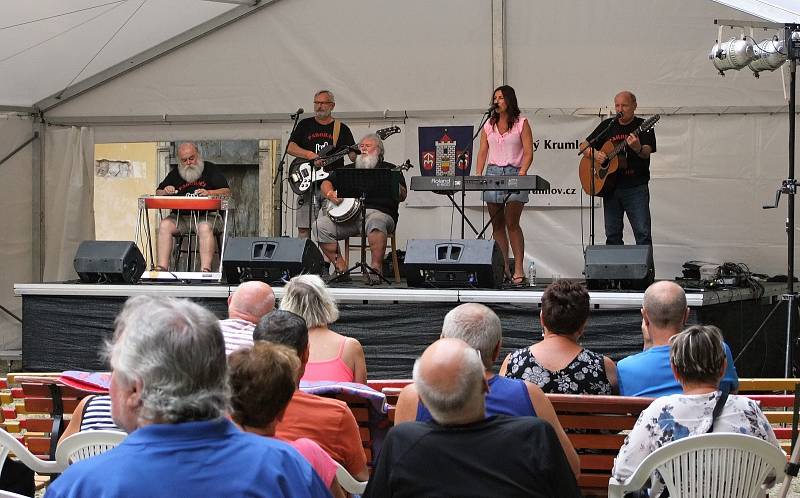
532 274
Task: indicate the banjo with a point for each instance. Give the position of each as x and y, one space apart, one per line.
350 207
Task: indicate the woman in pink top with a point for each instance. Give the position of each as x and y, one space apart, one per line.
331 356
507 144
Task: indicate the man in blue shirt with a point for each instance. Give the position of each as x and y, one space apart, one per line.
649 374
169 392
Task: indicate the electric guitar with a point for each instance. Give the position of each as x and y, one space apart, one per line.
302 172
598 172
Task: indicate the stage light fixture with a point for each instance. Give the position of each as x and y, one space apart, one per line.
768 55
735 53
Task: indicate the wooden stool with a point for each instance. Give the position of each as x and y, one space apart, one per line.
357 245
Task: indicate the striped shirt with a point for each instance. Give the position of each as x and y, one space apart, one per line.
238 333
97 414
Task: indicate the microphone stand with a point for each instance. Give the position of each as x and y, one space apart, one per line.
463 157
590 145
279 174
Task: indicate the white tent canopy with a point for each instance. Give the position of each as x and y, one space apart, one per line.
194 69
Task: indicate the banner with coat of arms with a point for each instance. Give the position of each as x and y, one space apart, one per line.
445 151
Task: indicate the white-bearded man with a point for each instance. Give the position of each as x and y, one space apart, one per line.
381 214
197 177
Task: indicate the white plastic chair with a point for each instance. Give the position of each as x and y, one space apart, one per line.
717 464
10 444
86 444
10 494
348 482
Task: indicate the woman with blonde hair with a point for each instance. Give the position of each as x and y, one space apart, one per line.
332 356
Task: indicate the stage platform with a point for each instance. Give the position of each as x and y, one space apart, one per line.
65 324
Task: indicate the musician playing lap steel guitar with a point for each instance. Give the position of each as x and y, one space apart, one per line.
507 143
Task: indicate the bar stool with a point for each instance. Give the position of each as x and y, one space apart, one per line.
357 245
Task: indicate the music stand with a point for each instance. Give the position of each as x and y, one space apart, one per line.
362 184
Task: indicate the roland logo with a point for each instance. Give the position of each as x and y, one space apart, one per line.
442 182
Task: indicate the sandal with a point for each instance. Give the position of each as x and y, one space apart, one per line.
373 279
518 282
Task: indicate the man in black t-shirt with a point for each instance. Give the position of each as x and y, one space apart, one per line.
197 177
627 192
313 137
381 214
463 452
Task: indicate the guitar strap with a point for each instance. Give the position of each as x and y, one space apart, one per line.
337 126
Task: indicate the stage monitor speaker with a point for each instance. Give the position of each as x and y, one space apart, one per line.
619 267
109 261
269 259
453 263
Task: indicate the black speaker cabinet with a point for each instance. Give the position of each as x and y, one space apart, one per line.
619 267
453 263
269 259
109 261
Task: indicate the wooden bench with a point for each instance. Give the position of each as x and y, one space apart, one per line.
779 400
594 425
42 407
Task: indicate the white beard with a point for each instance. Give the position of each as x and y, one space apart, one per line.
191 173
364 161
322 115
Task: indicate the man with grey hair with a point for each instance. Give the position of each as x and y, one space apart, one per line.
313 138
462 452
479 326
246 306
381 214
192 176
664 313
169 392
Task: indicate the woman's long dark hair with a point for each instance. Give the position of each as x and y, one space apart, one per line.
510 96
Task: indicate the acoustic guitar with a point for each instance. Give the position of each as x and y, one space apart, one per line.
302 172
600 172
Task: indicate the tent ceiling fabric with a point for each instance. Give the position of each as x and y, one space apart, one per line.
784 11
53 51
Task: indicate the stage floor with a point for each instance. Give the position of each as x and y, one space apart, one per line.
65 324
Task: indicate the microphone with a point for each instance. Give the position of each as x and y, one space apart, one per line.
297 114
492 108
355 149
619 115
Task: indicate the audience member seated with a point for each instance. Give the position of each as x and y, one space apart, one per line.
263 379
558 364
648 374
462 452
480 328
698 359
333 356
169 391
93 413
249 302
329 422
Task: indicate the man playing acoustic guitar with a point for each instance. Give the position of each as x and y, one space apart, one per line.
626 191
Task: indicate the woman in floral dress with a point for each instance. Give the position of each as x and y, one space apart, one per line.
558 364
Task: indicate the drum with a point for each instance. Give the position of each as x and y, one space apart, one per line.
345 211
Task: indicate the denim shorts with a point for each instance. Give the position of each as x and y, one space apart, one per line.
497 196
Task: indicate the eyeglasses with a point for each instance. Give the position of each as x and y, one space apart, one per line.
317 102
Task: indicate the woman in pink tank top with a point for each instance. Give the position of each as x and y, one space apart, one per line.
332 356
507 148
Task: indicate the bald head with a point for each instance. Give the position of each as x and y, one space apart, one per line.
478 326
251 301
449 379
664 306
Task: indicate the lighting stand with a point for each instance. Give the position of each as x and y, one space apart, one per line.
789 187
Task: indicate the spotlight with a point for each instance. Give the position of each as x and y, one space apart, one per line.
768 55
733 54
